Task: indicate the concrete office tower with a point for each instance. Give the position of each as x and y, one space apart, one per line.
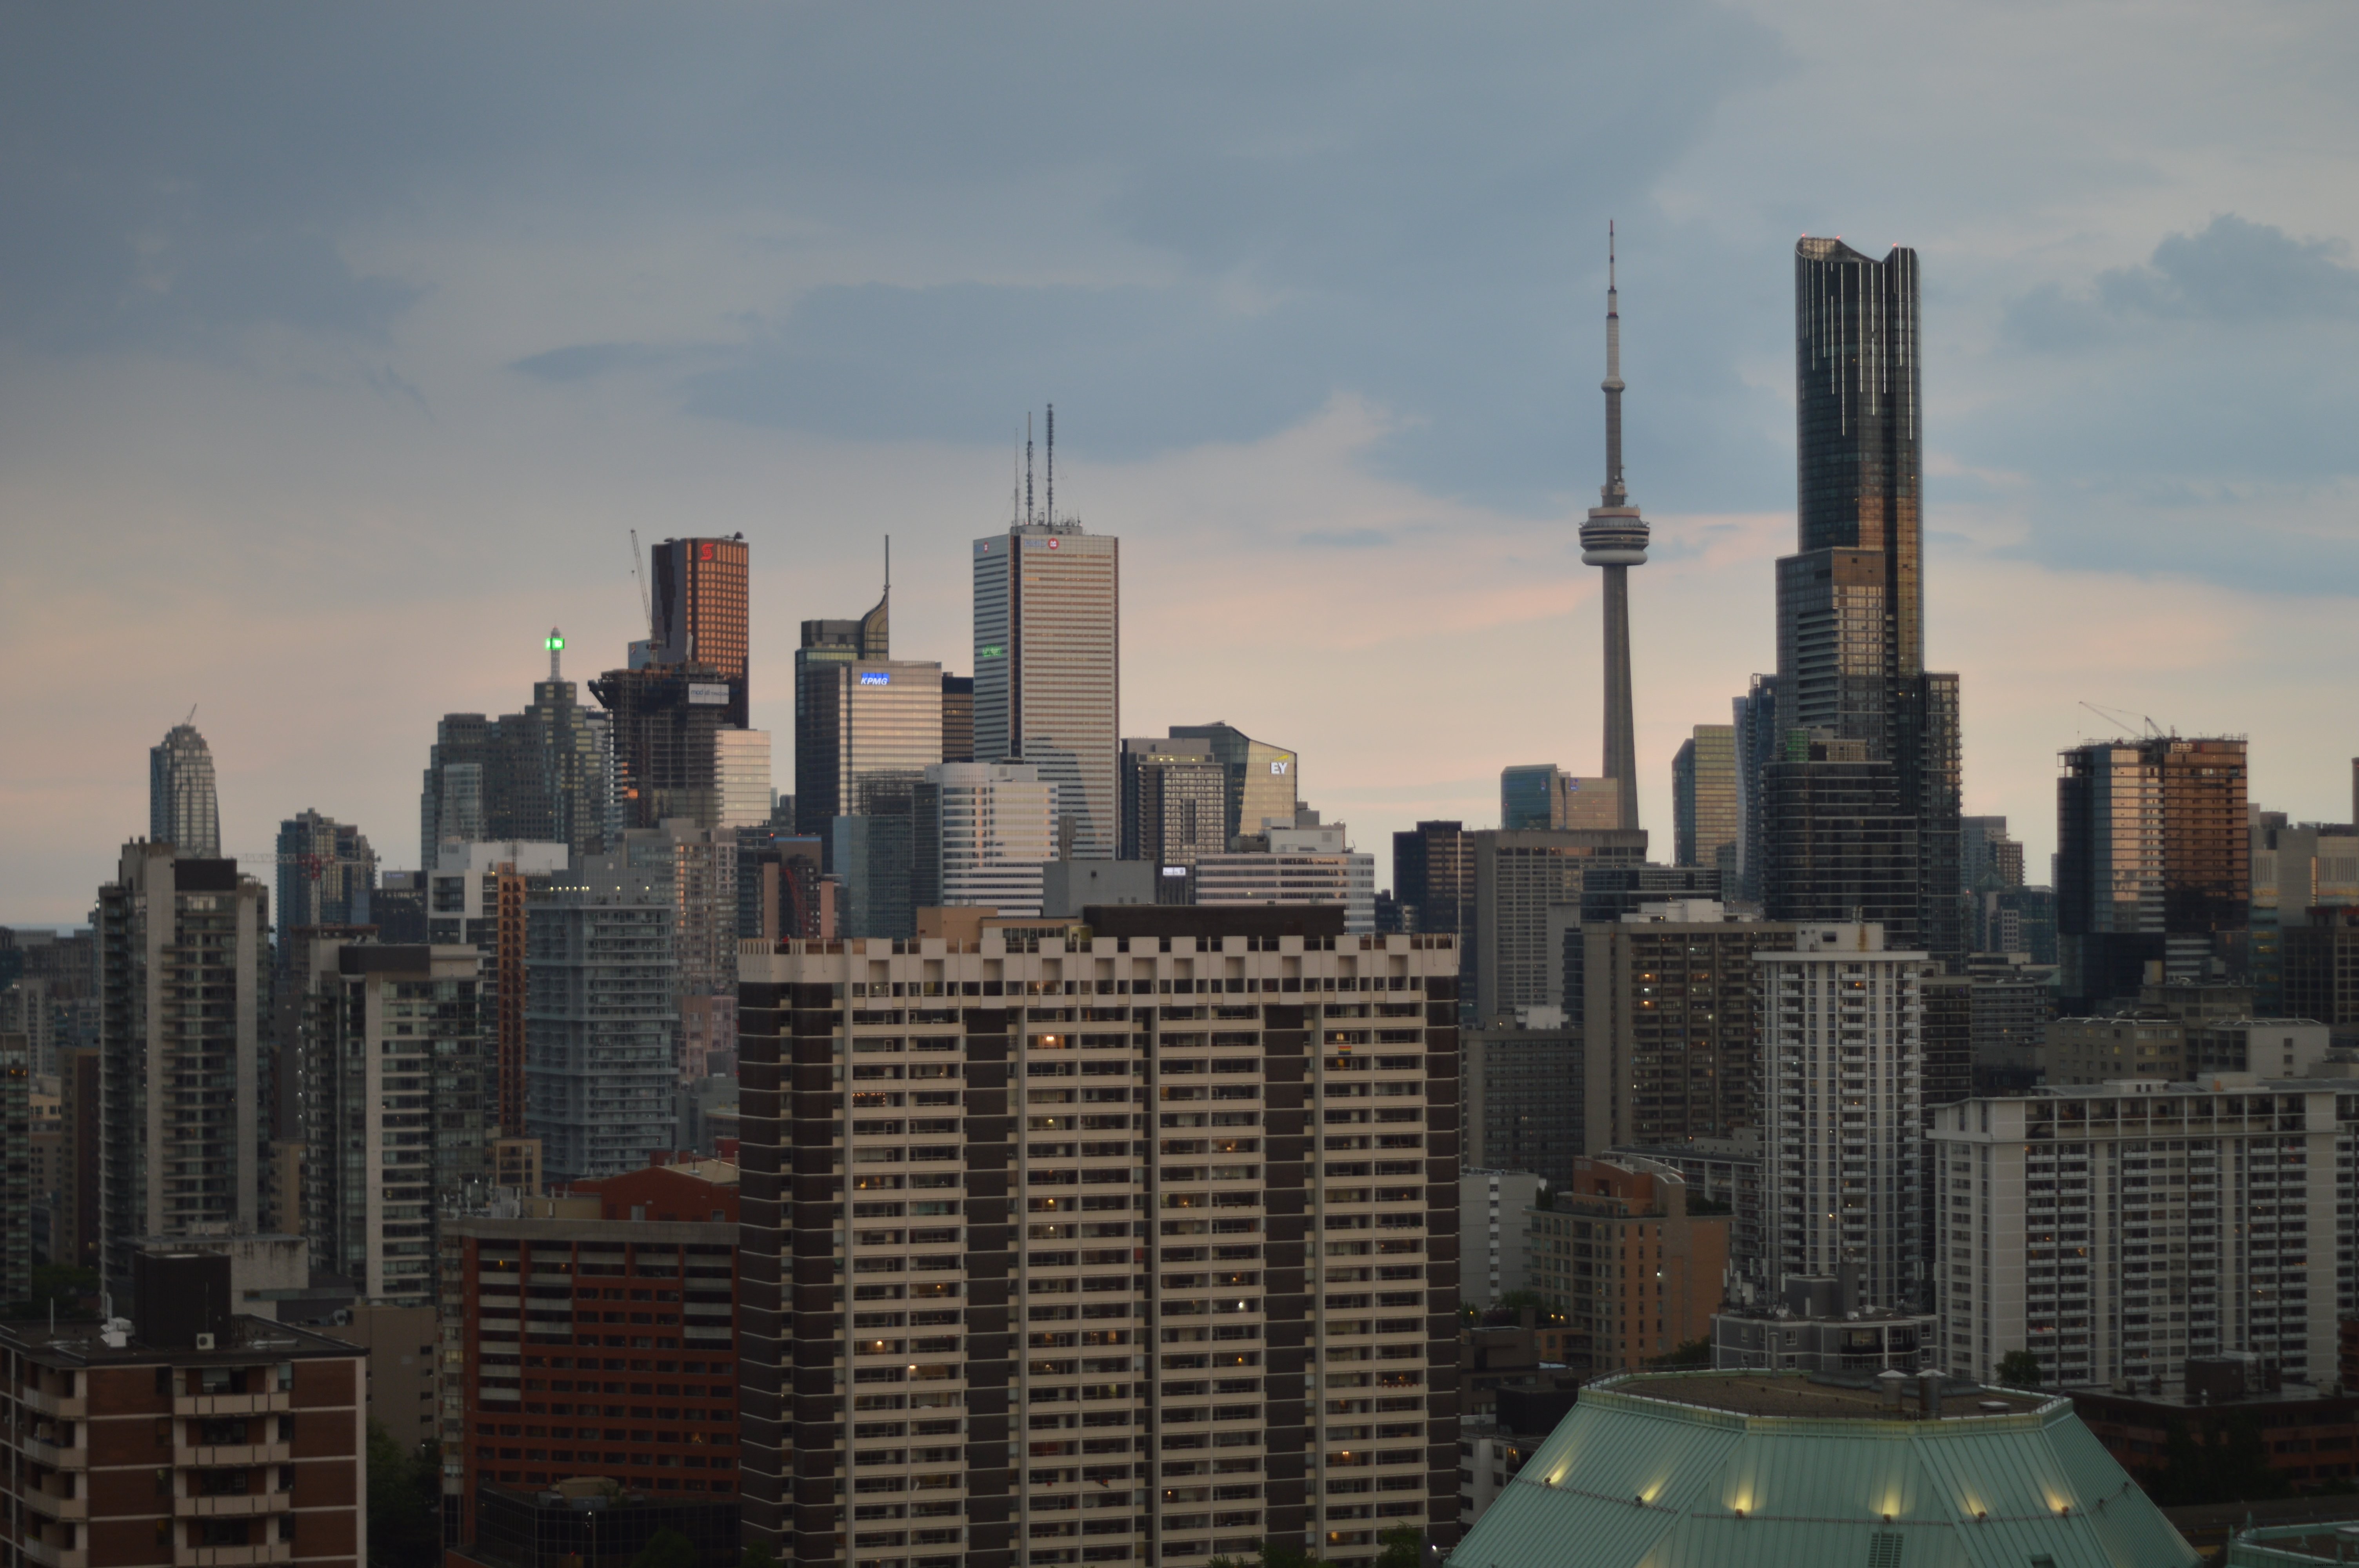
1302 866
700 612
958 718
399 1107
1669 1023
2115 1231
183 1089
985 830
1265 783
545 774
602 1018
1242 1229
2321 969
1048 665
17 1187
1851 654
870 729
741 767
2153 864
1758 745
1703 796
182 809
326 873
1615 538
1175 802
1517 877
1541 794
1843 1134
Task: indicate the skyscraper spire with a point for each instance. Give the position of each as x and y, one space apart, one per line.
1615 538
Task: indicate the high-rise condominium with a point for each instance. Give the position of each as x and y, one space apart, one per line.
1842 1138
1171 1283
1615 538
602 1018
700 612
182 810
399 1106
183 949
545 774
1703 796
481 895
1048 666
1851 621
2153 863
326 873
1265 785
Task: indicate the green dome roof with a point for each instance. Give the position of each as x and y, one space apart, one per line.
1763 1470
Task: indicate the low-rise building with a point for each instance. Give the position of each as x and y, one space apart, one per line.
2308 1433
185 1435
1617 1254
1492 1447
594 1334
1816 1326
1724 1176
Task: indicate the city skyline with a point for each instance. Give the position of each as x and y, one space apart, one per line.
239 459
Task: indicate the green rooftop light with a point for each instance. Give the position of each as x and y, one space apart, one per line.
554 644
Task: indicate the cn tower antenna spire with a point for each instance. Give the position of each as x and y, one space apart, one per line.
1614 494
1615 538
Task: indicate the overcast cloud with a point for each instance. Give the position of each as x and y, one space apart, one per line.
341 346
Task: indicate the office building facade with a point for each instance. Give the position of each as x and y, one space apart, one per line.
741 769
1850 655
1301 866
2321 969
2115 1231
1096 1328
1519 1094
2297 868
1175 802
400 1109
818 709
958 718
19 1191
544 775
327 873
988 828
700 608
1703 796
1669 1023
2153 864
1841 1114
1048 668
1494 1206
1542 795
1265 780
182 1127
1433 878
666 720
1758 743
1518 877
183 807
481 895
869 730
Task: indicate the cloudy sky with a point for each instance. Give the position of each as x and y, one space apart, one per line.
341 347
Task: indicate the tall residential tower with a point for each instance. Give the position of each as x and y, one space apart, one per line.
1615 538
182 810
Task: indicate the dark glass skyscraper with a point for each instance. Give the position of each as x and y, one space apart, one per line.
1850 614
700 612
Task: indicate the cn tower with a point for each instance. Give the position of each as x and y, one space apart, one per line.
1615 538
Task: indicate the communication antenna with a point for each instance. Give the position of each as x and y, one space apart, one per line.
1052 463
889 566
191 719
1027 467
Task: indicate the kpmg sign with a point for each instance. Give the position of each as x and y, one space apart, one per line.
876 677
702 695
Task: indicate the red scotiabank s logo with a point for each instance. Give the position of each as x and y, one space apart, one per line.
707 551
1052 544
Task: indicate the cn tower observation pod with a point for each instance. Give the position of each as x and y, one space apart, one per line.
1772 1470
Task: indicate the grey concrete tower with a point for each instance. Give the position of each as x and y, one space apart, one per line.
1615 538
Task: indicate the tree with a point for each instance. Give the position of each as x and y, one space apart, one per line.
405 1502
1274 1554
2019 1369
667 1548
58 1286
758 1555
1404 1545
1691 1353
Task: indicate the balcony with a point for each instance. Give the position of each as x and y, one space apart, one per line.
57 1458
48 1505
238 1453
58 1405
227 1556
232 1404
49 1556
233 1506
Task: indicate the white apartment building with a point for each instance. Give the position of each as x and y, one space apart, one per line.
2115 1229
1492 1231
1302 865
1841 1122
995 826
1151 1247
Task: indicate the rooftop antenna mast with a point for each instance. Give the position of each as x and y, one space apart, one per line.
1052 463
1027 467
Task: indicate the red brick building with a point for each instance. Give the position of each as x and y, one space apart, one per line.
247 1451
2310 1435
594 1335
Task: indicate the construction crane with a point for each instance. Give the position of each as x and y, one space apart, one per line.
639 575
2152 728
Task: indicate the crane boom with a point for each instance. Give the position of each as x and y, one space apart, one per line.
639 575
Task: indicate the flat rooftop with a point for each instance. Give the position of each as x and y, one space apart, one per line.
1757 1393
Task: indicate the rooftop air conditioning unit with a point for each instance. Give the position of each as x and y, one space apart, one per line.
204 1342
